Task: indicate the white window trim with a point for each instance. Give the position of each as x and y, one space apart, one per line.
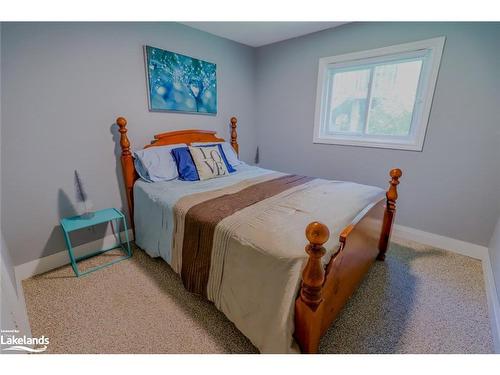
416 143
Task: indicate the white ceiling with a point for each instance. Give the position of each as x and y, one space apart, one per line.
256 34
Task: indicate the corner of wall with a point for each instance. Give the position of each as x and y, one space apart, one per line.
494 254
491 268
13 312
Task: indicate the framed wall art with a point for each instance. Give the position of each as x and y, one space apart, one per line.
180 83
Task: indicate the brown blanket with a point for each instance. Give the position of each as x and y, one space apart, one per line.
202 218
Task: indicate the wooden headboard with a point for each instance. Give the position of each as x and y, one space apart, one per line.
163 139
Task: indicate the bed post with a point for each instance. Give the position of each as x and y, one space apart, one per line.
390 211
129 174
308 325
234 135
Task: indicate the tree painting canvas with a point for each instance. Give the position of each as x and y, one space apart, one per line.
180 83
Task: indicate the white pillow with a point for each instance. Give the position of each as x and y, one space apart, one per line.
231 156
156 163
209 162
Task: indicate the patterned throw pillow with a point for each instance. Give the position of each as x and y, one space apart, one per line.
209 162
229 167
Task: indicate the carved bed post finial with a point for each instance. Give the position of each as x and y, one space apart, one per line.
313 275
309 306
390 210
392 193
124 142
234 135
129 174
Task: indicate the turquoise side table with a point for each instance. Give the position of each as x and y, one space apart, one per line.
111 215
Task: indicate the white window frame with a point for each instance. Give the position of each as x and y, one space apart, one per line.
432 48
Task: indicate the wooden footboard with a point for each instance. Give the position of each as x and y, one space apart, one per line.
325 291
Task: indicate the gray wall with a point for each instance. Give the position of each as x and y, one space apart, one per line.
8 279
64 85
452 188
8 293
5 257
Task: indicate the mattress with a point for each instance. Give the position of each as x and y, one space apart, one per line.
249 262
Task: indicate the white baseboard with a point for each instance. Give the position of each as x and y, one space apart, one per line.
401 234
41 265
493 303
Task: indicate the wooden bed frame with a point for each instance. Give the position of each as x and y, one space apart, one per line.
324 290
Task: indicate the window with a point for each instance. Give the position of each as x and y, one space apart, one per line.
378 98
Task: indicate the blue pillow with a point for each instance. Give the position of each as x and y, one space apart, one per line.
229 167
185 164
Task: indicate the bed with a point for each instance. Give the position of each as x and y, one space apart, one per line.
239 241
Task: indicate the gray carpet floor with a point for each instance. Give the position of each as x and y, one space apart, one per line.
418 301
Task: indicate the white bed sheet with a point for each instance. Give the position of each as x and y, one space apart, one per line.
154 206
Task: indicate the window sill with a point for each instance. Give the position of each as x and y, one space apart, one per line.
408 146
